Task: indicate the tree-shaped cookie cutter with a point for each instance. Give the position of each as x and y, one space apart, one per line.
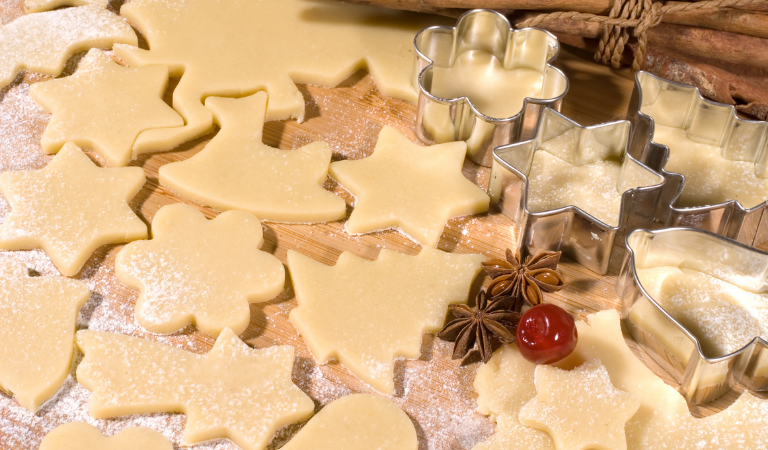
683 106
441 120
570 229
672 345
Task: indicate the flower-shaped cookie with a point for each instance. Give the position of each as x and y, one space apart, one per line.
484 82
574 188
714 162
695 301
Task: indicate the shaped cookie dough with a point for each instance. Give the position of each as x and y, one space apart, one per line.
43 42
366 313
199 271
357 422
270 45
47 5
409 186
104 106
662 422
580 408
236 170
38 318
70 208
233 391
82 436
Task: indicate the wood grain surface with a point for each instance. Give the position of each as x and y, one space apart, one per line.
435 391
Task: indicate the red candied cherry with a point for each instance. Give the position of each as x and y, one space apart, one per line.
546 334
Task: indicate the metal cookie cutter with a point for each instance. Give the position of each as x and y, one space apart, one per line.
483 46
682 106
671 344
581 236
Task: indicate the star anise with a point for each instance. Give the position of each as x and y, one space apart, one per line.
489 321
524 279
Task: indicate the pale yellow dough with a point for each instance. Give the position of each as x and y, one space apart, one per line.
580 408
236 170
38 317
104 106
357 422
365 313
269 45
47 5
70 208
409 186
82 436
199 271
663 421
233 391
709 178
43 42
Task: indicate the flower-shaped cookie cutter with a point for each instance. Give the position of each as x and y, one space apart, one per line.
579 235
441 120
683 106
671 344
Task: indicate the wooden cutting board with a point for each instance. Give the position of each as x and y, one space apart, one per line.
434 390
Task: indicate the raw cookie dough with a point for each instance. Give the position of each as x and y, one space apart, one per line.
43 42
580 408
409 186
268 45
70 208
104 106
365 313
236 170
199 271
357 422
663 421
566 173
709 178
38 318
82 436
233 391
46 5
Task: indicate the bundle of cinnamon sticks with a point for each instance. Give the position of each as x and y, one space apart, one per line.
720 46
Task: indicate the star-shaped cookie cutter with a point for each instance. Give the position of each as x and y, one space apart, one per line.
440 120
669 343
579 235
708 122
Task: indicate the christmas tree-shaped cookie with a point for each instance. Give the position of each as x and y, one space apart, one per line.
236 170
38 317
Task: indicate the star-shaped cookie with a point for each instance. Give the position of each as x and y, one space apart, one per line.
38 317
82 436
70 208
236 170
408 186
365 313
104 106
199 271
233 391
580 408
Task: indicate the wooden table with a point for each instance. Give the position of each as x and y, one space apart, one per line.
434 390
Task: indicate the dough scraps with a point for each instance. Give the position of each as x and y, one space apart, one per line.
270 45
38 318
43 42
409 186
46 5
366 313
104 106
236 170
357 422
82 436
580 408
199 271
662 422
70 208
233 391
